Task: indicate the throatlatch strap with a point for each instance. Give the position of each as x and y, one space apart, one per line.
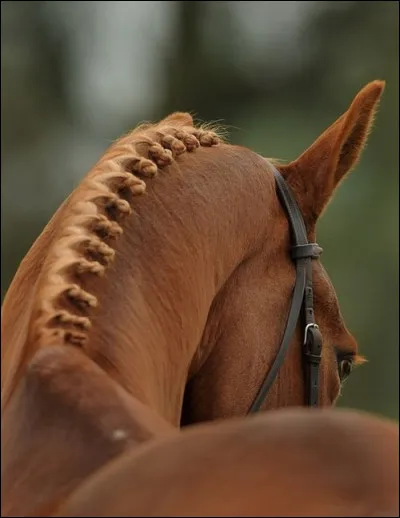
297 301
302 253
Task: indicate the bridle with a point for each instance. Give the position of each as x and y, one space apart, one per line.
302 253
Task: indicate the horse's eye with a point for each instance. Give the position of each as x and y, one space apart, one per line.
345 366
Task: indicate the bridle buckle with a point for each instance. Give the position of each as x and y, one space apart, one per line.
313 343
307 330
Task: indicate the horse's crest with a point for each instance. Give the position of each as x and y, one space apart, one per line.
84 243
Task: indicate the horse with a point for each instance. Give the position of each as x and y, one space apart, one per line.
157 297
287 462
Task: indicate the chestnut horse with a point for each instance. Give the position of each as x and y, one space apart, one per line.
289 462
137 290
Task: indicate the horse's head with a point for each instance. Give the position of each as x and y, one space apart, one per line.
246 323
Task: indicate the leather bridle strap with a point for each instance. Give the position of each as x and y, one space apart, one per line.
302 252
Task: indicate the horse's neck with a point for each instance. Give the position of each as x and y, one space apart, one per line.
155 303
173 258
186 237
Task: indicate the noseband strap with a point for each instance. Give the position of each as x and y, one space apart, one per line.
302 253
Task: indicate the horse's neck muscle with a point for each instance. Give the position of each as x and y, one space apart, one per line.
178 248
175 254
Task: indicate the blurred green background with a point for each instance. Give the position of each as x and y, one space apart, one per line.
76 75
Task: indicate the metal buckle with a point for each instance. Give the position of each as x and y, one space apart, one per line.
309 326
313 346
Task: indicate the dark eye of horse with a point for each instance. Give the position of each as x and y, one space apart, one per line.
345 366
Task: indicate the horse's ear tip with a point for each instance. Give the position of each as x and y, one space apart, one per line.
374 88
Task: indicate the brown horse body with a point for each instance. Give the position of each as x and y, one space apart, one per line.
196 289
291 462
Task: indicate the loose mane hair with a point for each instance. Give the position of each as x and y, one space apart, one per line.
84 241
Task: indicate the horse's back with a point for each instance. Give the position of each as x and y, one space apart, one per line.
288 463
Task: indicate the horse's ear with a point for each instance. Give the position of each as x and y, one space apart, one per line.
179 119
318 171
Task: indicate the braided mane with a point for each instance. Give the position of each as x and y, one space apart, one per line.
84 242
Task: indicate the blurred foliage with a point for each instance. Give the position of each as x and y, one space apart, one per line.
273 102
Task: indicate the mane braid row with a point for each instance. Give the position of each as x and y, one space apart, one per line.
83 246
